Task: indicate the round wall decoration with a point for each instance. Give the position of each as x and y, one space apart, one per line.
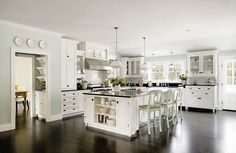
42 44
30 42
19 41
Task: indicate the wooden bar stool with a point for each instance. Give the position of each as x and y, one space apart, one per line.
152 106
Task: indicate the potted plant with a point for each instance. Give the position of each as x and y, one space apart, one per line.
118 82
183 79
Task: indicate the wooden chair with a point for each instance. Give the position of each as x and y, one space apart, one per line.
178 103
152 106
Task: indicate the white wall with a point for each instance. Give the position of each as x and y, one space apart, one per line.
8 32
23 74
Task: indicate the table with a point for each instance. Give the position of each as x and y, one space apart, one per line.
24 95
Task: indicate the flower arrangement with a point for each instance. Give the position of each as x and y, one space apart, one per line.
17 86
183 77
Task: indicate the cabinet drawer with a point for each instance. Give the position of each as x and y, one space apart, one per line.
68 94
70 110
69 104
69 99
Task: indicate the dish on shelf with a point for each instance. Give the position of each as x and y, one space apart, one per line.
113 103
19 41
108 103
111 122
103 110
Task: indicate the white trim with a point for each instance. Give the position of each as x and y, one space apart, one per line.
54 118
5 127
28 28
15 50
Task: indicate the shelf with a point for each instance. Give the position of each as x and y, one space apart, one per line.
112 116
41 77
109 106
106 124
40 67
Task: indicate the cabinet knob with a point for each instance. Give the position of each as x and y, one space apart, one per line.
73 98
73 108
73 103
199 98
64 105
117 102
199 88
64 94
64 99
206 93
64 110
68 56
67 85
92 99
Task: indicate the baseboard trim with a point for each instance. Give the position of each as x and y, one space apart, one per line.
5 127
54 118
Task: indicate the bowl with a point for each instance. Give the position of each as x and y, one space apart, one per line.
103 110
111 122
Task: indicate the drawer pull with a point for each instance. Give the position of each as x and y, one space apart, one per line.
64 94
73 98
64 99
73 93
117 102
192 93
64 105
206 93
199 88
92 99
73 108
199 98
73 103
208 88
64 110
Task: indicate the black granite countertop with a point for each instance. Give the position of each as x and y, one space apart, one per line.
127 93
74 90
200 85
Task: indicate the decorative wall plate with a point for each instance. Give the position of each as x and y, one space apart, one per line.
42 44
30 42
19 41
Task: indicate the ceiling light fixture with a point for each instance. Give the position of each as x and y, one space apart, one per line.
144 66
116 63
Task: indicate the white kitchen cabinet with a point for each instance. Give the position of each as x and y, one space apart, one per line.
68 70
81 99
200 97
94 51
122 110
131 67
40 103
68 48
89 109
202 63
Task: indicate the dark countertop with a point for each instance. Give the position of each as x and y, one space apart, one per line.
200 85
127 93
74 90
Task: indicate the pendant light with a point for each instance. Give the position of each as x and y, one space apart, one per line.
144 66
116 63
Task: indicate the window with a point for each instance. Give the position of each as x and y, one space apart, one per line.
231 73
168 71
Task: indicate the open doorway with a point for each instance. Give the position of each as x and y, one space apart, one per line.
29 89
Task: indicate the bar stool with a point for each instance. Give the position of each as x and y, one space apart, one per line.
178 102
152 106
168 104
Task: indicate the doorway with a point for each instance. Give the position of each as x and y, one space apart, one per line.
29 85
228 84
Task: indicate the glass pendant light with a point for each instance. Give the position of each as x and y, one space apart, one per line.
116 63
144 66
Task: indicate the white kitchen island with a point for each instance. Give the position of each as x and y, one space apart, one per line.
121 110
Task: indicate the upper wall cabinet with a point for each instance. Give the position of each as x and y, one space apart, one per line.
94 51
68 48
131 67
202 63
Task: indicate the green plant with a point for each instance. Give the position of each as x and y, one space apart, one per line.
17 86
183 77
119 81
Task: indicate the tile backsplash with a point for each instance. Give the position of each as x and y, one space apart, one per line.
95 77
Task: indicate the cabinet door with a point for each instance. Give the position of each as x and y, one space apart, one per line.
122 110
81 101
194 64
208 64
89 109
68 48
63 74
70 73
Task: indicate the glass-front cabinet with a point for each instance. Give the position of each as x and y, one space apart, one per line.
202 63
131 67
80 64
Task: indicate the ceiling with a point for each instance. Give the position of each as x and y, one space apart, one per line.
169 25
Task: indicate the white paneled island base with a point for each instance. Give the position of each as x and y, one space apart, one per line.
110 113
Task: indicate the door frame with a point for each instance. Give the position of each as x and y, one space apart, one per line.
15 50
221 74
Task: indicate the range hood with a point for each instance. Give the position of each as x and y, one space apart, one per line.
94 64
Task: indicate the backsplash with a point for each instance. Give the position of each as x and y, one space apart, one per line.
201 80
95 77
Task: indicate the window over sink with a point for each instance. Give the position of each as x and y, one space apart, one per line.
167 71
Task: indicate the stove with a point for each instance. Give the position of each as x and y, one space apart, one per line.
98 87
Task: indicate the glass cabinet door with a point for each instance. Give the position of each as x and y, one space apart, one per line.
132 67
208 65
138 63
80 64
194 65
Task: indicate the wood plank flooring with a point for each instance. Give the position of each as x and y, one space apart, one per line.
200 132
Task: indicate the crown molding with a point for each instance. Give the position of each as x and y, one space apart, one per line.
29 28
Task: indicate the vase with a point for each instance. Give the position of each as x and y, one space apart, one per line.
117 88
183 82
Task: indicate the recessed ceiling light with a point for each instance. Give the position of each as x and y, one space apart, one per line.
187 30
153 54
171 53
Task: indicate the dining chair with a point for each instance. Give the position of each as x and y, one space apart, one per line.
168 104
153 106
19 100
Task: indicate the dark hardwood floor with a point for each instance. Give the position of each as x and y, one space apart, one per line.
200 132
